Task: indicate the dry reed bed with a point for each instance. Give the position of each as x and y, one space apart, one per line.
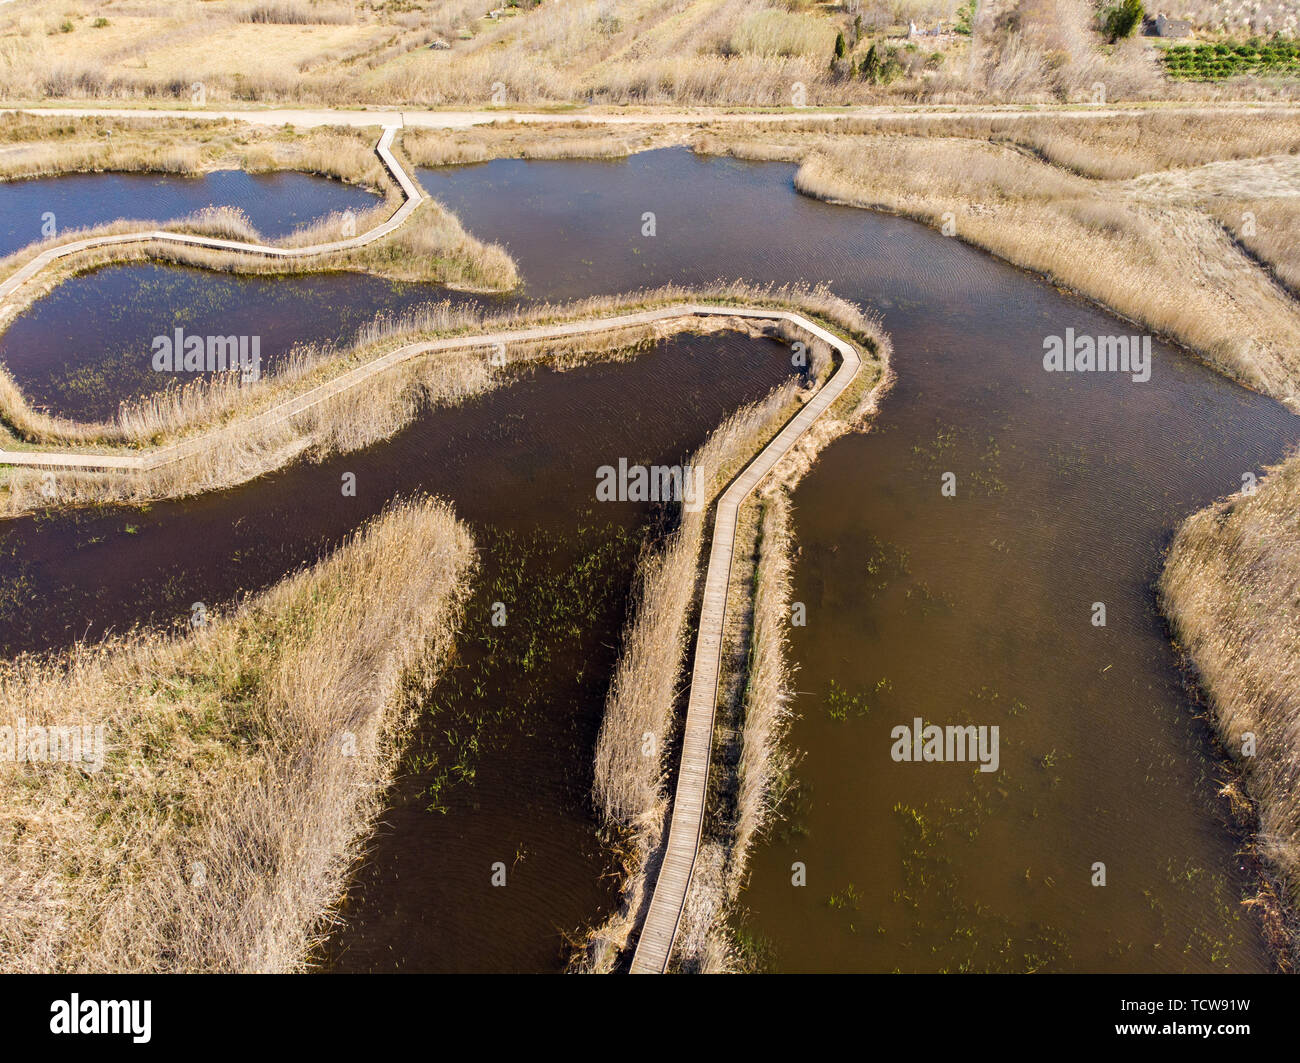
1231 588
193 148
349 420
1116 147
731 52
1267 229
1165 265
40 145
690 51
246 763
508 139
1156 251
749 775
631 789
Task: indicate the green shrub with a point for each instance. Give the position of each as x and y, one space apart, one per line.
965 17
1123 19
880 66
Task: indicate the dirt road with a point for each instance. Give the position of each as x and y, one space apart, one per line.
434 119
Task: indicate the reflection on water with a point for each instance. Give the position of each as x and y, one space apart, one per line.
973 609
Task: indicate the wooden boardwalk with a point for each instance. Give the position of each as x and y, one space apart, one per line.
207 442
660 928
411 192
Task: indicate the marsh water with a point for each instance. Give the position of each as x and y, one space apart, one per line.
975 607
82 350
276 203
87 346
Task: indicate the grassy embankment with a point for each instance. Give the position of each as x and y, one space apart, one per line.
632 789
507 139
1231 588
246 762
38 145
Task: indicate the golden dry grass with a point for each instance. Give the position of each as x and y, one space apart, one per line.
36 145
1267 228
458 52
1231 587
247 761
519 140
1114 148
1155 260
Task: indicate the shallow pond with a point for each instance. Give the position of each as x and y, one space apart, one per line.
513 723
88 345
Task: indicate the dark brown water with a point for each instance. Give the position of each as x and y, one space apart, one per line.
971 609
276 204
974 608
88 345
519 465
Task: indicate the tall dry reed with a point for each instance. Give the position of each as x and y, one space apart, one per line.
1230 588
246 763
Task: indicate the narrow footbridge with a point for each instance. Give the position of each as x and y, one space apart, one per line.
655 944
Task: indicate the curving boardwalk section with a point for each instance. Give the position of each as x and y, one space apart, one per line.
291 407
411 192
660 929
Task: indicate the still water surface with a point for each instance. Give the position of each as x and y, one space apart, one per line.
276 203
